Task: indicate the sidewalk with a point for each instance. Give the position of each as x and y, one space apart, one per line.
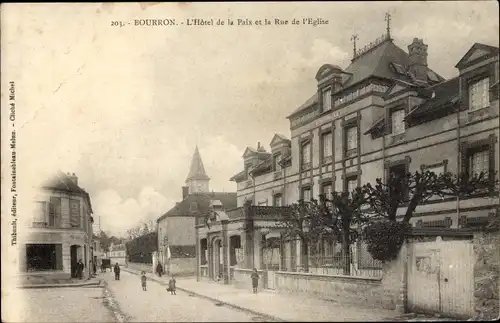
277 306
94 281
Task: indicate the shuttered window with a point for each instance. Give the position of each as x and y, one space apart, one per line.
75 216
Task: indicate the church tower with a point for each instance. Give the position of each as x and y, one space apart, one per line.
197 180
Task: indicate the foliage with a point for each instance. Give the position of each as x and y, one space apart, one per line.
385 238
417 188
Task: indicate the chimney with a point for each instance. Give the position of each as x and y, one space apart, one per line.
73 178
185 192
258 145
418 59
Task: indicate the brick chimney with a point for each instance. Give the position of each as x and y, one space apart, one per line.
185 192
73 178
418 57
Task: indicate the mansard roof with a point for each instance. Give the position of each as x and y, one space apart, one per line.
197 170
384 60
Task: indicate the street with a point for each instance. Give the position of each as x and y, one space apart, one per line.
157 305
71 304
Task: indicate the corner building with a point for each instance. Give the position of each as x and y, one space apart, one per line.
387 112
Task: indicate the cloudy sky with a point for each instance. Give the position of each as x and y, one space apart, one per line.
124 108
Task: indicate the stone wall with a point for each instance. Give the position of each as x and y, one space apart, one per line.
241 278
183 266
384 292
486 274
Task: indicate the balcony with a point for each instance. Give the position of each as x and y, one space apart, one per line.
258 212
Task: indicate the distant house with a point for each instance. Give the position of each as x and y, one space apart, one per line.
176 228
59 231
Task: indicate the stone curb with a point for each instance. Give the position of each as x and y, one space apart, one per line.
264 315
99 283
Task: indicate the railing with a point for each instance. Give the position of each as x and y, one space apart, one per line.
269 211
258 211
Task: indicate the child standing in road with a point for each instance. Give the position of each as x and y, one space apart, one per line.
255 280
171 286
143 280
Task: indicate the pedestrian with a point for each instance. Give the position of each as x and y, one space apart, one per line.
94 268
79 269
143 280
117 271
255 280
103 270
159 269
171 286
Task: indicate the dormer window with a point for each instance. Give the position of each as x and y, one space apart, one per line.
398 121
276 162
327 99
305 158
479 97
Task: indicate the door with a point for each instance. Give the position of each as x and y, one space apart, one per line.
440 277
74 260
457 278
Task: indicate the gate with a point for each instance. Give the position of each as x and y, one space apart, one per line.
441 277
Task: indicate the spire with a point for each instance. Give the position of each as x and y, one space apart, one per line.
388 20
353 39
197 170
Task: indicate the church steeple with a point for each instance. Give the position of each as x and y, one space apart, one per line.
197 179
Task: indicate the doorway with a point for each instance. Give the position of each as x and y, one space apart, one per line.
74 251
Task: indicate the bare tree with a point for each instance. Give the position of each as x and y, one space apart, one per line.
417 188
341 213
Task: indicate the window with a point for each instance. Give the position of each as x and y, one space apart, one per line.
40 217
352 138
326 141
306 155
479 161
247 170
398 172
75 213
327 190
276 162
277 200
306 194
398 122
438 170
327 100
351 183
479 94
54 211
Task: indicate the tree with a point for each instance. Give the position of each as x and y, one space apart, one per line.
302 221
415 189
340 214
386 237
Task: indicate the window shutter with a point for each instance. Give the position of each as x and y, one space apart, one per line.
493 90
75 213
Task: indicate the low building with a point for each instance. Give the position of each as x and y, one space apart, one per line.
59 232
117 254
176 228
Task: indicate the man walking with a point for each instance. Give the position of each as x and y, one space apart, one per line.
117 271
159 269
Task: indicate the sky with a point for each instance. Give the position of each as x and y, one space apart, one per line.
124 107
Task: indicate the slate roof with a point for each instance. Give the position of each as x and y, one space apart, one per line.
238 176
61 182
198 204
445 93
197 170
311 101
374 63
